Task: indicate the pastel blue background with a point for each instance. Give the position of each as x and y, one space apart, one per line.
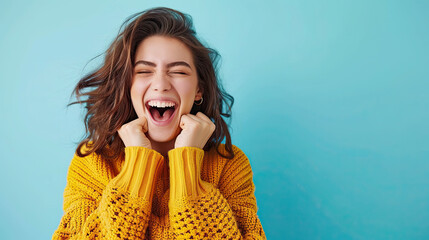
331 108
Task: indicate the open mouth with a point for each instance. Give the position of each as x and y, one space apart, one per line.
161 111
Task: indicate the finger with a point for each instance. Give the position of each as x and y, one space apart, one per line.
185 120
203 117
140 122
195 118
209 121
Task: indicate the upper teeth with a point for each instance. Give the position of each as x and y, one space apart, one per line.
160 104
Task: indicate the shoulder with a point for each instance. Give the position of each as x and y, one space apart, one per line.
87 176
239 158
234 174
239 162
84 162
223 150
225 167
92 167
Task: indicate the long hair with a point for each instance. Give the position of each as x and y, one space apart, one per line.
105 92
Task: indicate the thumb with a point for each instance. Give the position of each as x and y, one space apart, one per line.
184 120
142 122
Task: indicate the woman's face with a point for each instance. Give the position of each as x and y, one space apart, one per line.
165 85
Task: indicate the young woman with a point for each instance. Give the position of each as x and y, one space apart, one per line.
152 165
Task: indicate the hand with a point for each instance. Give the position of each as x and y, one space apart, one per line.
133 133
196 131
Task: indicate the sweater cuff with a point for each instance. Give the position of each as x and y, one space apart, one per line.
185 173
138 175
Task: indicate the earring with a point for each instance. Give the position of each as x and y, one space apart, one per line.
200 102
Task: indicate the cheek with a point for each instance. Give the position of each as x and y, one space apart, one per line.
187 94
137 92
187 89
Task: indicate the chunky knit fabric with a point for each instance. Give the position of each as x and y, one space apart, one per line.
193 195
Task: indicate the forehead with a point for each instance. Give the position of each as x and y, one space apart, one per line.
162 50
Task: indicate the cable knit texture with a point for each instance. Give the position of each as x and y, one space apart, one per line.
191 195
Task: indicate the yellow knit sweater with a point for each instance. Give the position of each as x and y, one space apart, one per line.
195 195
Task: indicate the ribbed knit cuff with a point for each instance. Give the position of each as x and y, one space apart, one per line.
185 173
138 175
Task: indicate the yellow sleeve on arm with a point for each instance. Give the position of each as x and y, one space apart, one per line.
199 210
139 172
185 173
118 210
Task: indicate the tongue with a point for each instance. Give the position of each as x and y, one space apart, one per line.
164 117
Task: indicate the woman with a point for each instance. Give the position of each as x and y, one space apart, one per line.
152 165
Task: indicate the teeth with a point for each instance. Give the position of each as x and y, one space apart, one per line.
160 104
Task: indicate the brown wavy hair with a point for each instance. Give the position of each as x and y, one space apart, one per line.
105 92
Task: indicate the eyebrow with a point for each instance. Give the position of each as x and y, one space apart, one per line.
172 64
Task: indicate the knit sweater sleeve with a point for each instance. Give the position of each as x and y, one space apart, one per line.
99 207
199 210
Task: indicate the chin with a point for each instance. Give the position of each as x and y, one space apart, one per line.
163 134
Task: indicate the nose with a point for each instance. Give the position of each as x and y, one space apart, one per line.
161 83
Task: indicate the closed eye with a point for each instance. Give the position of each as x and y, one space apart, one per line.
147 72
182 73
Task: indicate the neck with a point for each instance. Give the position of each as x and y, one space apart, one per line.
163 147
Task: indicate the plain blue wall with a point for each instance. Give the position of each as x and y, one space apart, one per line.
331 108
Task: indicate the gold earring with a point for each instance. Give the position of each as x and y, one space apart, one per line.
200 102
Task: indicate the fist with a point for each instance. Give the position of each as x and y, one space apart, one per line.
196 131
133 133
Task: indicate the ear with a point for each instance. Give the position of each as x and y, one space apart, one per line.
198 95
